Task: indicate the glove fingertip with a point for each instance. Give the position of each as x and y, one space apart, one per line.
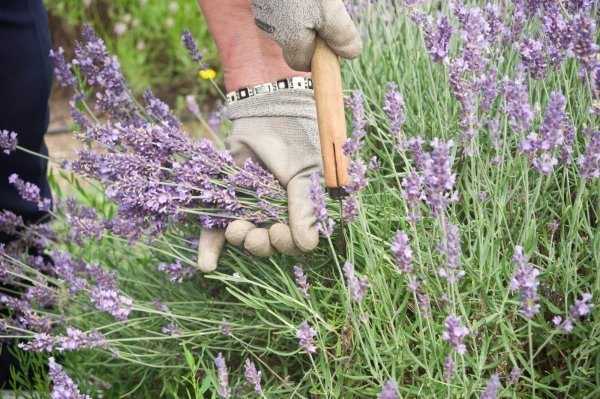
306 237
209 248
258 243
237 231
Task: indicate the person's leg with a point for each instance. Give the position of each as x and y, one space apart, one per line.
25 80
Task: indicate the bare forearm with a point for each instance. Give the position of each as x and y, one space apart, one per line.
248 56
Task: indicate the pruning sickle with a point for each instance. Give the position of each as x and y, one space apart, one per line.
327 85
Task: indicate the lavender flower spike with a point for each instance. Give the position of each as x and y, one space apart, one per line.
63 386
301 281
403 252
306 333
589 161
30 192
324 222
192 48
491 388
252 376
224 390
524 280
62 69
448 368
358 285
8 141
389 390
439 178
455 332
392 106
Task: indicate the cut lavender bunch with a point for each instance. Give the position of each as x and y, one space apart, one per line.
152 170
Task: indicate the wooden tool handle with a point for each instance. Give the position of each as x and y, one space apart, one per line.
327 84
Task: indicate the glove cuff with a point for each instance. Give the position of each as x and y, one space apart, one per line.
290 103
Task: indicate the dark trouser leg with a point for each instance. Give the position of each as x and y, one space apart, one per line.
25 80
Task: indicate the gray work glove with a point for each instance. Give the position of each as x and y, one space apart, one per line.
293 25
278 130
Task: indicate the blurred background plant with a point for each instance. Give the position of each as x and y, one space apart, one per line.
146 37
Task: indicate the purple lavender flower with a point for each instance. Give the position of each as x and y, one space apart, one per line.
77 339
225 329
580 309
192 106
176 271
495 27
412 193
418 155
551 136
111 302
30 192
374 163
487 85
83 221
356 172
358 285
252 376
8 141
568 141
491 387
215 120
448 368
393 106
62 69
517 105
557 33
554 226
403 252
324 222
306 334
515 373
473 35
455 332
389 390
460 87
438 177
224 389
172 330
437 40
589 161
524 280
159 111
350 209
533 56
584 41
359 123
300 278
192 48
450 247
424 304
63 386
104 72
41 342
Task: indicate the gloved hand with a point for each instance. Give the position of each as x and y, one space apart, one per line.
293 25
278 130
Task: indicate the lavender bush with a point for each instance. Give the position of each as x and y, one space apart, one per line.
472 265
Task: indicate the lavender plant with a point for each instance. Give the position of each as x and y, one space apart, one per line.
472 268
